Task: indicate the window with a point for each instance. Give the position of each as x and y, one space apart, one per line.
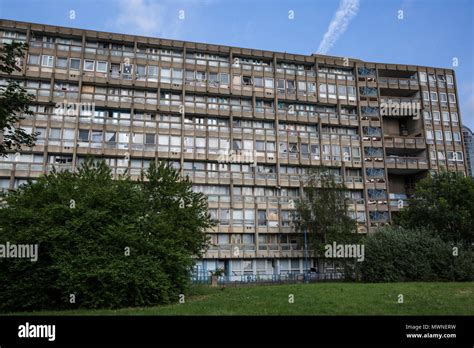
163 140
332 91
429 135
33 59
270 146
224 216
110 137
55 133
260 145
315 151
434 96
450 81
74 64
83 134
47 61
436 115
213 79
454 117
301 86
236 144
342 91
281 86
89 65
178 75
101 66
68 134
426 96
189 75
141 72
222 238
61 62
457 136
445 116
269 83
293 147
351 92
96 137
237 217
165 75
452 98
322 90
224 79
149 138
438 135
249 217
423 79
448 136
442 97
291 85
200 76
42 133
262 218
152 71
455 156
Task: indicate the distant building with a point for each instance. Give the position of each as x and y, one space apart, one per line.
469 145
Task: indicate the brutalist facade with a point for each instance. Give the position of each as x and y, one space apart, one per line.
469 148
244 124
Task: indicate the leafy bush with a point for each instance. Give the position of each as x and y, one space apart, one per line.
111 243
394 254
442 203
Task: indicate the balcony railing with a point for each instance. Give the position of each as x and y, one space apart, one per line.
398 81
402 142
406 162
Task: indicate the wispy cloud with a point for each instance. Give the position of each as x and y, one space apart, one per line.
159 18
142 17
345 13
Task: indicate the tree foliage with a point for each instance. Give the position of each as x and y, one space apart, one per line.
14 102
111 243
443 204
395 254
323 212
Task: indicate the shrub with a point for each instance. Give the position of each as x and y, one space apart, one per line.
111 243
395 254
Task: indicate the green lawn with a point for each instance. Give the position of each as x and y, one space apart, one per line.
312 299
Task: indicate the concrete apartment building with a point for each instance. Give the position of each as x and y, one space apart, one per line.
469 147
244 124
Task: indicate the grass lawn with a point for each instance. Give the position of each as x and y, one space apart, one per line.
312 299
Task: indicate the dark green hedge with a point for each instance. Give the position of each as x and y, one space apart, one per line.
394 254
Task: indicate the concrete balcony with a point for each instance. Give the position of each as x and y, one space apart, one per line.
398 83
394 141
406 163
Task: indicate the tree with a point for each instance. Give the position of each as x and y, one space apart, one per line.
444 204
395 254
110 243
14 102
323 212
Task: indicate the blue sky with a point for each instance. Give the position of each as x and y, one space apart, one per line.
432 32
